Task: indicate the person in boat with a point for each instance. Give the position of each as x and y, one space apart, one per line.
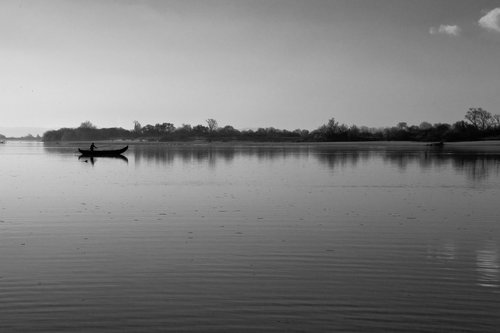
92 147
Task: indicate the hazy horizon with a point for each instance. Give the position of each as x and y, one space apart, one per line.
24 131
249 64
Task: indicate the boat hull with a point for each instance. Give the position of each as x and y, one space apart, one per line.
97 153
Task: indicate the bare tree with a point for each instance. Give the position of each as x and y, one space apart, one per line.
479 118
137 126
212 125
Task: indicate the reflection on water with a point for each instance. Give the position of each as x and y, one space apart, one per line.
93 160
210 154
369 237
448 251
477 165
488 265
485 258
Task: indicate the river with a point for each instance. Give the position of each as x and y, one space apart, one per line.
365 237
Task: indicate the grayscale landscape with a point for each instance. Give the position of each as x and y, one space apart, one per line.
250 166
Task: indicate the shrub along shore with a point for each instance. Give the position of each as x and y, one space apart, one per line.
479 124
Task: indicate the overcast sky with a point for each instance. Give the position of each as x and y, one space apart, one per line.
256 63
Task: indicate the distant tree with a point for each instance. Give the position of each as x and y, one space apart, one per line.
228 131
425 126
354 133
261 132
169 127
460 126
402 125
184 132
332 125
461 130
302 133
186 127
330 129
164 128
200 130
479 118
496 120
212 125
148 130
442 127
478 124
343 130
87 124
137 126
69 134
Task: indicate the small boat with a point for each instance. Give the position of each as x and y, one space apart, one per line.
436 144
97 153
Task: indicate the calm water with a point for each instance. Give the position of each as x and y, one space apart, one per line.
250 238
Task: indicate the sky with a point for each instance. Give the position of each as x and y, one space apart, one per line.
254 63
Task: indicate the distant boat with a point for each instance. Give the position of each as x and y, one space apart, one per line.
436 144
97 153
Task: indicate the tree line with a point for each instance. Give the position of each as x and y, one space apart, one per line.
478 124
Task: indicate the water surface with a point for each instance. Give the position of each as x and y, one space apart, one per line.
250 238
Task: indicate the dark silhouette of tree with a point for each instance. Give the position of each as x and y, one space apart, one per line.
164 129
402 125
479 125
87 124
212 125
228 132
479 118
496 120
212 128
425 126
200 130
137 127
330 130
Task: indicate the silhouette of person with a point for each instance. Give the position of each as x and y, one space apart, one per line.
92 147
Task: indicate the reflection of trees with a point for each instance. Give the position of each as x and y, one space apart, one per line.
161 154
423 158
476 162
477 167
343 158
212 153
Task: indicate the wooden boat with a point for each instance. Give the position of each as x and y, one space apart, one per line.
100 153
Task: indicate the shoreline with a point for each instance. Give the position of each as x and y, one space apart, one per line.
263 143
